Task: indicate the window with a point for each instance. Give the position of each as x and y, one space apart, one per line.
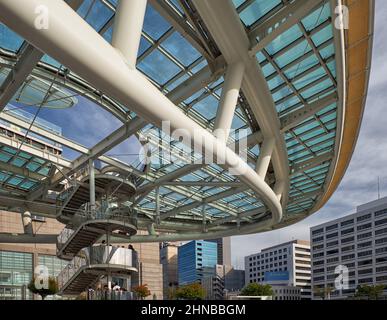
380 222
380 231
364 226
381 260
381 213
332 227
365 280
318 239
332 243
348 248
364 235
364 244
346 231
331 260
331 252
381 250
364 262
318 247
346 240
364 253
363 217
332 235
320 254
380 241
346 223
381 269
348 257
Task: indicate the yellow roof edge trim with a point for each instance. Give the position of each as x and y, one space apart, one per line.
358 52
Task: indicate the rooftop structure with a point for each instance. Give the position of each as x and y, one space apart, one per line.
284 81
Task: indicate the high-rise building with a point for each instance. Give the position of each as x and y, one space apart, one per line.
284 264
196 260
224 250
355 245
168 259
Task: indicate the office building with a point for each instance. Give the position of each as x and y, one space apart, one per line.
357 242
168 260
284 264
223 250
282 292
196 260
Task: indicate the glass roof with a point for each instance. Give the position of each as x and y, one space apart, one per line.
299 67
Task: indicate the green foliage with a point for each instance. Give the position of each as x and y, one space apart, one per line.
51 290
323 293
192 291
370 292
142 291
256 289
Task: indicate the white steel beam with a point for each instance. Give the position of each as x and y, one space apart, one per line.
228 100
294 118
29 57
311 163
287 17
195 204
27 61
178 22
226 28
196 82
75 46
265 156
128 23
21 171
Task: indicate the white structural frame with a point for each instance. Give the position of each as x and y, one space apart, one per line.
78 41
123 85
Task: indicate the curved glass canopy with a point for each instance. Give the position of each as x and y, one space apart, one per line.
298 52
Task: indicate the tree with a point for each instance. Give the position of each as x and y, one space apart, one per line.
370 292
193 291
44 292
318 292
256 289
142 291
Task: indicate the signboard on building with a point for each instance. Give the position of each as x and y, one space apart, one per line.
277 276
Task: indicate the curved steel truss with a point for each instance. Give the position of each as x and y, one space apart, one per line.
268 80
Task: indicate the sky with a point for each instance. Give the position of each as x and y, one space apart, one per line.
369 160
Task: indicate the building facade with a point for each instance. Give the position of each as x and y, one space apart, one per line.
284 264
168 260
196 260
223 250
355 244
286 292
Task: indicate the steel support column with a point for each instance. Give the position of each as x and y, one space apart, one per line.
265 156
228 100
128 23
92 185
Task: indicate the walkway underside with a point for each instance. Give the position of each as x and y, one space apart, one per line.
272 92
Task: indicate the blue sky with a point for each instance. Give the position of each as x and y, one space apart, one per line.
368 162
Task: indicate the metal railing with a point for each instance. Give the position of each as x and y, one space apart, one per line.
114 257
111 295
